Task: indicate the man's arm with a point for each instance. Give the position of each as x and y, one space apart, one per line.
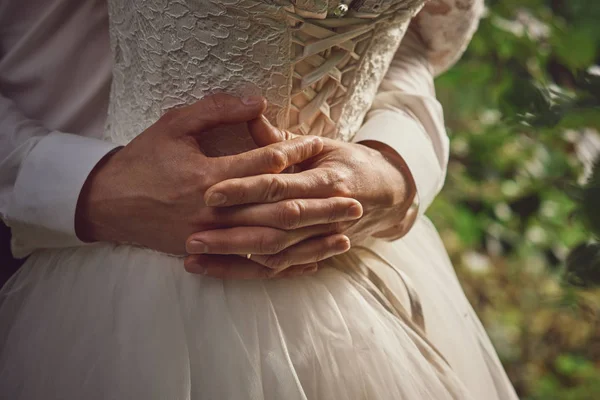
41 175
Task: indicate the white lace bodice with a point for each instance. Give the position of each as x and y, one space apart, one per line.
319 72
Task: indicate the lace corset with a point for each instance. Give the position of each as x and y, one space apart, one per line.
317 65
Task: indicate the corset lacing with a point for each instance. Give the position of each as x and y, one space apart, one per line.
327 51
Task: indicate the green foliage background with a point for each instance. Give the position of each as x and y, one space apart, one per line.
515 106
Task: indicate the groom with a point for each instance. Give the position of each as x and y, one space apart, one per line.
60 185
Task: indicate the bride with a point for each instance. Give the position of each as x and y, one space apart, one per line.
289 150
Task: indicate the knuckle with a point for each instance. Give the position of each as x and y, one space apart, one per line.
291 214
340 188
287 135
276 262
337 181
276 189
328 177
200 178
242 194
311 146
332 212
277 159
216 103
269 243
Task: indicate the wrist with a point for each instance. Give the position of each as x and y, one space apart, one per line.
90 221
408 204
396 169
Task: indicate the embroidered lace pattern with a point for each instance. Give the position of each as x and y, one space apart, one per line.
318 72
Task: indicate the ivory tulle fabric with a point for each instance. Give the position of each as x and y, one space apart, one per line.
119 322
110 321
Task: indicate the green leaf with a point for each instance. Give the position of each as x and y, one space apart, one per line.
577 49
590 202
583 265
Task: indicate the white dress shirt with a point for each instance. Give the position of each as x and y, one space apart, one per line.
55 73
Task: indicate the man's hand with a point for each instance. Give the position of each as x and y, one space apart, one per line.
340 170
151 191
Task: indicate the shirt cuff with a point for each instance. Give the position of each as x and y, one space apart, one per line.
41 213
403 134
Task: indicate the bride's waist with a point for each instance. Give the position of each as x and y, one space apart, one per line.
222 140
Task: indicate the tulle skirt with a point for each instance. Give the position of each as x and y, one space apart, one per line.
118 322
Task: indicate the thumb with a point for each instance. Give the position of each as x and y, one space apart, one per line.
214 110
264 134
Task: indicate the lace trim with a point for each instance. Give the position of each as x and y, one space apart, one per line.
318 72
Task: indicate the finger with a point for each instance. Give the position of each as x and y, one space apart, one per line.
287 214
308 251
226 267
264 134
270 188
214 110
235 267
254 239
297 270
271 159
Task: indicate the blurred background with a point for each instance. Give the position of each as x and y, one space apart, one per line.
516 214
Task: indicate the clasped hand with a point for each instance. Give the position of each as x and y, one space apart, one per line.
160 191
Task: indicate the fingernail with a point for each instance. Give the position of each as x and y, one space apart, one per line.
344 244
216 199
311 269
197 247
354 211
252 100
194 268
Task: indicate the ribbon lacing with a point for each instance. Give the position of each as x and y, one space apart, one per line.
327 52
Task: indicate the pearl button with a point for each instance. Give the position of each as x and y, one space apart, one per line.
340 10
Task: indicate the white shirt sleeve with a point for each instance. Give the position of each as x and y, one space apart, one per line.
406 116
41 175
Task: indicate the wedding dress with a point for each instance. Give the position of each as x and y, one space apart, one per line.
386 321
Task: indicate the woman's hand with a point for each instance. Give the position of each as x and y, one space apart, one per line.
344 170
151 191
